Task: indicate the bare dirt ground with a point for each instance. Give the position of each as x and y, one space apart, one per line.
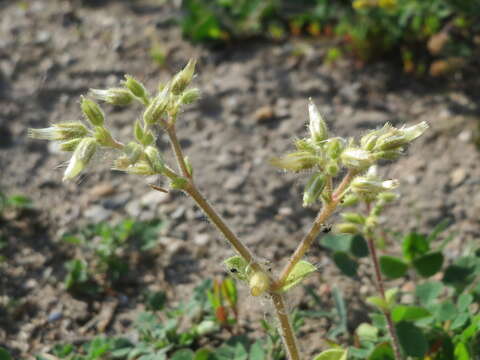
254 97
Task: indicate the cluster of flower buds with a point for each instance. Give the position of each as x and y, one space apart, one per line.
326 156
139 156
79 138
370 189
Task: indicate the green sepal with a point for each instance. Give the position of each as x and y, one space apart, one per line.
238 267
299 272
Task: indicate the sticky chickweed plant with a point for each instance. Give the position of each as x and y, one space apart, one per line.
341 172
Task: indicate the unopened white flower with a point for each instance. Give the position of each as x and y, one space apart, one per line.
356 158
317 125
80 158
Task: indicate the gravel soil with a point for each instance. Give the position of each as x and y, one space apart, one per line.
254 103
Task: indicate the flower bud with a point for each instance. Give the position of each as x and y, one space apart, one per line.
141 167
317 126
92 111
103 136
259 283
356 158
354 218
296 161
183 78
313 189
133 152
347 228
114 96
70 145
306 145
80 158
155 159
59 132
367 142
387 196
335 147
363 185
350 200
332 168
135 87
190 96
157 107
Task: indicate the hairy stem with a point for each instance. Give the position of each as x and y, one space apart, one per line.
381 289
177 149
286 329
327 210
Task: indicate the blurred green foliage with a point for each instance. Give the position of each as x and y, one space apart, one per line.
434 35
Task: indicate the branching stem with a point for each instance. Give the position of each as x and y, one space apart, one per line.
327 210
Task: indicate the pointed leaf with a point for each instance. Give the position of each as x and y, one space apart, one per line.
378 302
332 354
299 272
414 245
428 292
237 267
257 352
358 246
408 313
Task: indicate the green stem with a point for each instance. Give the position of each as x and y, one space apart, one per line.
381 289
327 210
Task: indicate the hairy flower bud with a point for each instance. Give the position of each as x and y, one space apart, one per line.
103 136
59 132
157 107
317 126
350 200
347 228
70 145
156 161
80 158
183 78
189 96
335 147
354 218
296 161
133 151
363 185
258 283
92 111
141 167
387 196
397 138
138 131
114 96
313 189
135 87
356 158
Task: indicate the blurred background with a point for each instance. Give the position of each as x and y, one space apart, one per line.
85 258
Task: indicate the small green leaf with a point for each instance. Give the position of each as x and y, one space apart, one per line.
393 267
155 300
408 313
299 272
414 245
461 352
446 311
337 242
457 275
332 354
257 352
382 351
358 246
237 267
411 339
378 302
183 354
345 263
429 264
464 301
428 292
19 201
203 354
367 332
391 297
459 321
